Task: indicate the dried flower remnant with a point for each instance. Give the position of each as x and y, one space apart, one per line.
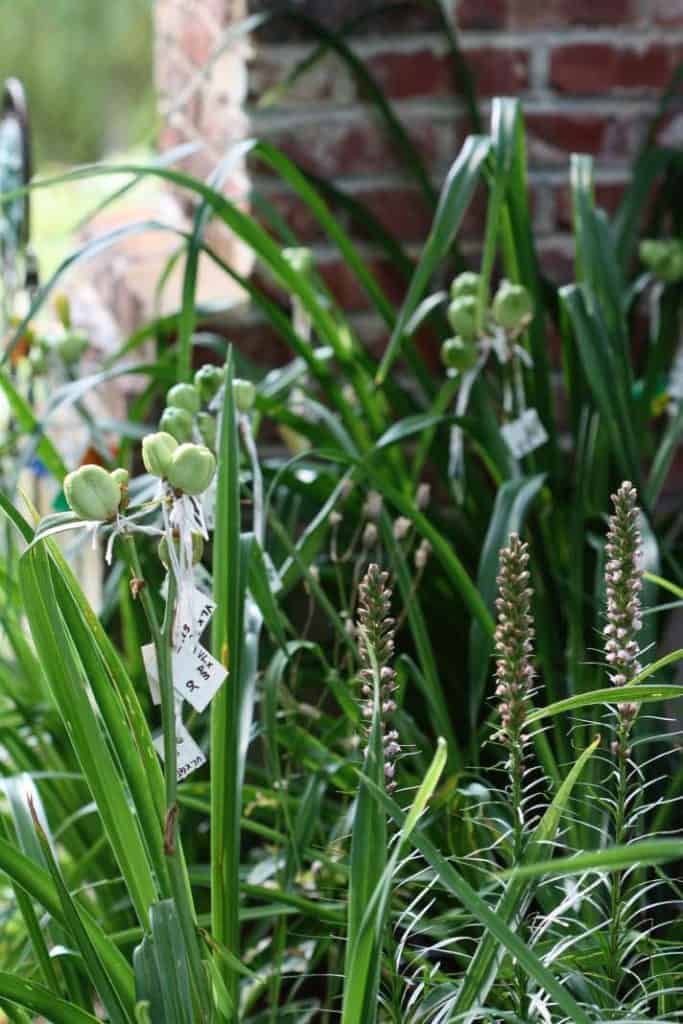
375 631
623 583
372 509
514 643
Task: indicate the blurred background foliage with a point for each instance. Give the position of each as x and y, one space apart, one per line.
87 67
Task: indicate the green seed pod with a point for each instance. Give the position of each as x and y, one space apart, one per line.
121 477
208 380
664 257
466 283
63 309
183 396
462 316
177 422
71 346
245 394
206 424
197 548
157 451
37 357
91 493
512 305
459 354
299 258
192 468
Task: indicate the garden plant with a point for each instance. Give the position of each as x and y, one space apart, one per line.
378 720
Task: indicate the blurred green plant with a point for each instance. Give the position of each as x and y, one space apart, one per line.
54 48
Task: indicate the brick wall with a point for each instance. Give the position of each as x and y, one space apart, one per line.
588 72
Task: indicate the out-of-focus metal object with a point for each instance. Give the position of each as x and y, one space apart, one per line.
18 262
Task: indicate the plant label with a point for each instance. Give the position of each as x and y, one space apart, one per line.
149 657
202 608
525 434
209 503
197 675
189 754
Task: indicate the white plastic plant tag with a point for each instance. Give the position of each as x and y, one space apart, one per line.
202 608
149 657
203 579
209 503
675 383
189 754
197 675
524 434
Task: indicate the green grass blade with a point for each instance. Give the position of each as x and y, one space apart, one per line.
644 853
111 1000
42 1001
453 202
640 694
21 409
227 643
68 685
36 881
482 969
466 895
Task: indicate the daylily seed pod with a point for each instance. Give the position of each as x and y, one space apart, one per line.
192 468
245 394
183 396
466 283
92 494
208 380
157 451
177 422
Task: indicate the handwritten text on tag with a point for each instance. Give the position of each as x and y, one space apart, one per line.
524 434
197 676
202 608
189 754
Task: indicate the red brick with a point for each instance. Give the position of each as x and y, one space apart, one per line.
425 73
608 195
347 290
668 12
530 14
196 40
400 209
533 14
552 135
358 146
556 256
482 14
259 343
335 13
590 68
402 75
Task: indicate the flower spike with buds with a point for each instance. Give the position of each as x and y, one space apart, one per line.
375 648
623 583
514 642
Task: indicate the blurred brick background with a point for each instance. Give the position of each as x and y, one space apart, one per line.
588 72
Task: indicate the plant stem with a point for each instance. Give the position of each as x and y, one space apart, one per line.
616 879
162 636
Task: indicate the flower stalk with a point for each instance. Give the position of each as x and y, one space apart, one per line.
623 584
376 629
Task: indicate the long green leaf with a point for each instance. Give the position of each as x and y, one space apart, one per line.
68 685
453 202
482 969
